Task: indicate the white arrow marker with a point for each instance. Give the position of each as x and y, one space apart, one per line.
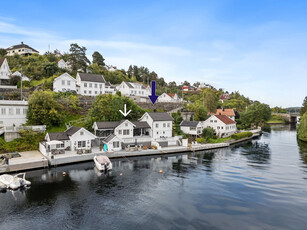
125 113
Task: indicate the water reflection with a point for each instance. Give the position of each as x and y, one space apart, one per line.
257 154
303 150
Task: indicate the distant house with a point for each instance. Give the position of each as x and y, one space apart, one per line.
228 112
169 97
222 125
13 113
134 89
161 124
64 83
63 65
192 127
73 139
113 143
188 88
23 77
90 84
5 71
111 68
224 97
21 49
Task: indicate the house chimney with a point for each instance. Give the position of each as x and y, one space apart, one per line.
223 109
21 43
220 114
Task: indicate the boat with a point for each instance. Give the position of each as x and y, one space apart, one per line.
103 163
13 182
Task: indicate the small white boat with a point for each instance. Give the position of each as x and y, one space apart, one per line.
102 163
13 182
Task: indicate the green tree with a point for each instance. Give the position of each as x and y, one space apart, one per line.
44 109
210 100
2 52
256 114
77 57
98 59
106 108
302 128
277 109
304 107
208 133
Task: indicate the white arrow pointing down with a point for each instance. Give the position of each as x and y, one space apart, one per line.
125 113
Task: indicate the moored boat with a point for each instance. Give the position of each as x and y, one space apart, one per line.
102 163
13 182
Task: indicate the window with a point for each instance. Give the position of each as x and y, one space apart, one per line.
17 111
164 125
157 133
81 133
211 120
116 144
24 111
126 124
84 91
168 125
218 127
11 111
215 121
81 144
120 132
96 85
63 82
68 82
126 132
90 85
60 145
90 92
157 125
222 127
95 92
163 132
85 84
3 111
100 86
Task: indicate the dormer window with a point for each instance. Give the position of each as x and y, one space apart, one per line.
81 133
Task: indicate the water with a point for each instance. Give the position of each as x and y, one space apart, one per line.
257 185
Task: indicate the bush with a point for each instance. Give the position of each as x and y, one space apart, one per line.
302 128
238 136
201 140
208 133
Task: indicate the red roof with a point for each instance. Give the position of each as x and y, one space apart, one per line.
171 95
227 112
226 120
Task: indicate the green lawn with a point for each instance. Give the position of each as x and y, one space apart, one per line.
75 120
276 119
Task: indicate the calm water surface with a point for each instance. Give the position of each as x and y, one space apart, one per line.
257 185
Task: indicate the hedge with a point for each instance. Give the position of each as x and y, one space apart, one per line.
238 136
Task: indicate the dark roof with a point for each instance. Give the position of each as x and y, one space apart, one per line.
109 138
189 123
58 136
140 124
72 130
129 85
226 120
160 116
1 61
108 124
22 45
92 77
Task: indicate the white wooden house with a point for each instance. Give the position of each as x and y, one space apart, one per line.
161 124
109 88
5 71
133 89
13 113
222 125
73 139
129 132
23 77
192 127
90 84
113 143
64 83
62 64
169 97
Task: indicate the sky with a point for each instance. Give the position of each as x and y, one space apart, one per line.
258 48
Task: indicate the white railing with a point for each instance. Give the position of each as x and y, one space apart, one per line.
37 128
8 86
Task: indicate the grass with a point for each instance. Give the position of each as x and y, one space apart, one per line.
219 140
79 122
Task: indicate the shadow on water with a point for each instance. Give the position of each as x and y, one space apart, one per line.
282 127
